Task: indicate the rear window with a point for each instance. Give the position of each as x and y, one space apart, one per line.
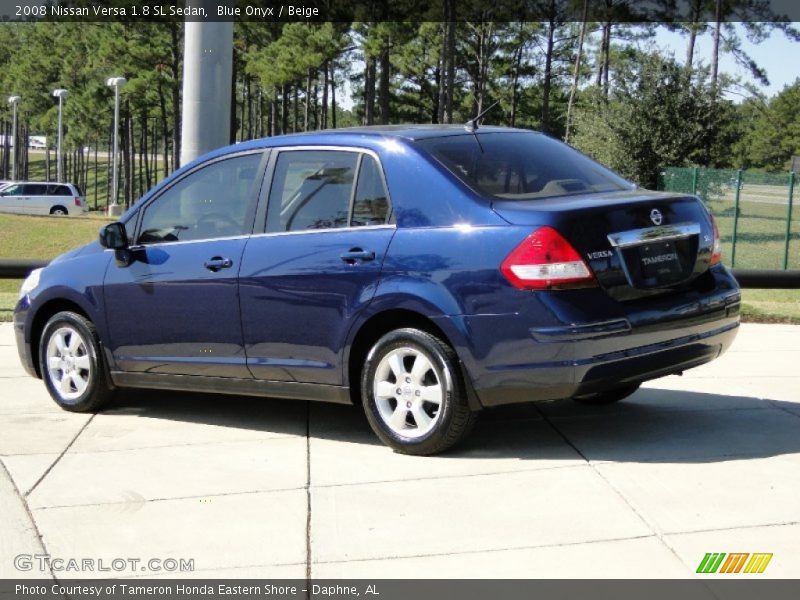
522 166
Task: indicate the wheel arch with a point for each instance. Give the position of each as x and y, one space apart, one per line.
379 324
40 319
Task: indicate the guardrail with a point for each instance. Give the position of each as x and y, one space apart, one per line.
19 269
747 278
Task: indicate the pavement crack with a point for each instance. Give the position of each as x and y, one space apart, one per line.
58 458
308 497
659 535
28 512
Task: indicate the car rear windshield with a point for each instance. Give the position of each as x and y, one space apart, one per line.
521 166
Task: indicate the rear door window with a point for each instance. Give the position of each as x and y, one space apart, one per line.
35 189
311 189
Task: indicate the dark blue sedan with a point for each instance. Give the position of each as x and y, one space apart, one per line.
425 272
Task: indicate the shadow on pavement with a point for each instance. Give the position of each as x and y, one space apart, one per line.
653 425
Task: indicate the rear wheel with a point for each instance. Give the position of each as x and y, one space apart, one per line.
59 211
71 363
609 396
414 397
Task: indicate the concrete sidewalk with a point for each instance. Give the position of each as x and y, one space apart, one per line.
247 487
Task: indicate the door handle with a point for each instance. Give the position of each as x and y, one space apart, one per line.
217 263
355 255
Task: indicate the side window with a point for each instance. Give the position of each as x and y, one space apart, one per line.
215 201
34 189
12 190
311 189
58 190
371 204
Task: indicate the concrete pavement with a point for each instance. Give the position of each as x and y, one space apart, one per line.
248 487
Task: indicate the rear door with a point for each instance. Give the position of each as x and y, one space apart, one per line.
34 199
316 266
175 308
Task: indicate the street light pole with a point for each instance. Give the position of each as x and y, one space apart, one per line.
114 208
13 101
60 94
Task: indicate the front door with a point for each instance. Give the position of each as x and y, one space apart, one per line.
175 308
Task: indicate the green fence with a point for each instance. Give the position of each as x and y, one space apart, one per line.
753 211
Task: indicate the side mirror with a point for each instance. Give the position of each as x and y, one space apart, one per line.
113 236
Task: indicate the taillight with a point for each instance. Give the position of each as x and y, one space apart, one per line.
77 201
716 251
544 260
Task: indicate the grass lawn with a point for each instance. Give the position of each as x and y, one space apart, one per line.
44 238
97 180
40 238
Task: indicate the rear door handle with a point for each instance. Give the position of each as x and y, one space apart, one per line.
217 263
355 255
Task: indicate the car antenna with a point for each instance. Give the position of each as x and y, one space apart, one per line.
472 124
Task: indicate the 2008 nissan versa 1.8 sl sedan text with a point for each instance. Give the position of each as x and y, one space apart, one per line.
426 272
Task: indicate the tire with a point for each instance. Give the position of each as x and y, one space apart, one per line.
59 211
609 396
414 395
71 363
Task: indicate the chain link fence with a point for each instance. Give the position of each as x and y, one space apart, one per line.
753 211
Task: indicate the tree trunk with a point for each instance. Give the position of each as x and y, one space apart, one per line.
715 50
333 94
307 107
177 52
577 71
324 123
162 103
450 76
383 88
369 92
548 75
285 108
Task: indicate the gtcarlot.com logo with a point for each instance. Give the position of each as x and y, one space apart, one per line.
735 562
45 563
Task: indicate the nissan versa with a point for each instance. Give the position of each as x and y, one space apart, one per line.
426 272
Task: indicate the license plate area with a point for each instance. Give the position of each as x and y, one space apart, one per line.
660 263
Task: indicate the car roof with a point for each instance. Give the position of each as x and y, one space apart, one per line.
364 136
44 182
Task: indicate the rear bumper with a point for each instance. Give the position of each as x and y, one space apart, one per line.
655 339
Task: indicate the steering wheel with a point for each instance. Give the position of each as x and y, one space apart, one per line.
217 222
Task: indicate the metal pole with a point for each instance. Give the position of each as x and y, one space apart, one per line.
207 84
694 180
60 133
14 143
115 167
788 222
736 216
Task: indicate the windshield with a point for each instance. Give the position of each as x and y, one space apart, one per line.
522 166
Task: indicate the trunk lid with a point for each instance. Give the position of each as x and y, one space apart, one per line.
638 243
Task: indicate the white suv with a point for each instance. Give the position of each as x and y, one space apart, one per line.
35 198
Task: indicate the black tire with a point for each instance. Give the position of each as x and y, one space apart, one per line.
609 396
59 211
450 421
71 372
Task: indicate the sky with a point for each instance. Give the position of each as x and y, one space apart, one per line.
779 56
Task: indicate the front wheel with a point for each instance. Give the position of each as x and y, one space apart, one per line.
609 396
71 363
413 393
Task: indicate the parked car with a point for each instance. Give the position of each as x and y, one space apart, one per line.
36 198
426 273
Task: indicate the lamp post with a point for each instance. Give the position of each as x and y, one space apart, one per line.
60 94
113 207
13 101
